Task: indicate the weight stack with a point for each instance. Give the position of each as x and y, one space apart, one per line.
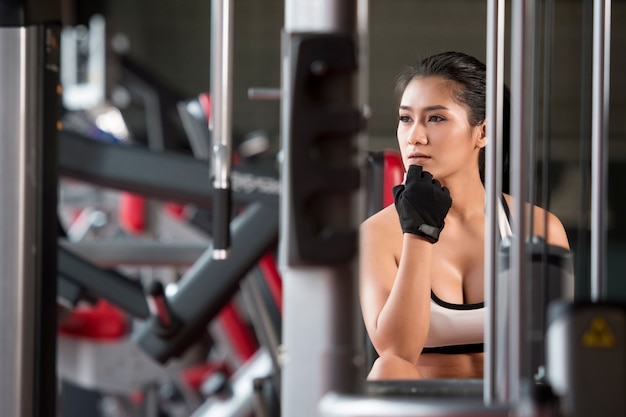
586 358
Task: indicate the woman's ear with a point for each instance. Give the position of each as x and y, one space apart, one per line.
481 130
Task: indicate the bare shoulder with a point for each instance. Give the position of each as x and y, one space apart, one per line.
545 224
384 222
382 226
380 240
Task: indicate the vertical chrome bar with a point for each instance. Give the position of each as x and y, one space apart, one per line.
599 144
493 183
20 118
221 97
583 241
523 17
96 66
547 112
362 24
323 16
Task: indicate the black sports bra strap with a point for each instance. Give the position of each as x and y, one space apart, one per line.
505 206
504 218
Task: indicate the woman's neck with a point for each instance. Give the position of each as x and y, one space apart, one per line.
468 197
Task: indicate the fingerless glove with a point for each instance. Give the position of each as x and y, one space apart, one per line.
422 204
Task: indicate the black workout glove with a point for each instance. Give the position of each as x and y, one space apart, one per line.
422 204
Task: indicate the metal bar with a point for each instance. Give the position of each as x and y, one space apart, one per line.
548 34
583 240
547 92
265 318
221 96
599 144
28 84
115 252
18 204
210 284
322 16
442 388
521 107
259 93
241 402
531 81
334 405
139 170
493 183
114 287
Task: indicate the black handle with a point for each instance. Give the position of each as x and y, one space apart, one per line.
222 203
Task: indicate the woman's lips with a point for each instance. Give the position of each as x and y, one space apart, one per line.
418 158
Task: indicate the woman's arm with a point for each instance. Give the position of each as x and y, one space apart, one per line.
396 262
395 294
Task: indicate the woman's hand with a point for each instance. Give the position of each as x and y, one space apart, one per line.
422 204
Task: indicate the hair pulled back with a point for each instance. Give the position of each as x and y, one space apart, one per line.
467 76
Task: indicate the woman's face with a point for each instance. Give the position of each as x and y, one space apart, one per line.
434 131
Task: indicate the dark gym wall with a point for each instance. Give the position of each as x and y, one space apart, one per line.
404 31
172 38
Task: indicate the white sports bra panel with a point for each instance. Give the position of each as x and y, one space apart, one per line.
462 324
455 324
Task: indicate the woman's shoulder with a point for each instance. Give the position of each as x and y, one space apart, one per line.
383 222
380 237
545 223
384 216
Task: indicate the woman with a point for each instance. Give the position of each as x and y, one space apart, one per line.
421 284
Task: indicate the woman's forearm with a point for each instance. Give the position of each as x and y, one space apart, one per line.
402 324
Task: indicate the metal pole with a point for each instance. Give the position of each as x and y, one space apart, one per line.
221 97
599 144
583 241
321 16
18 275
493 183
523 24
28 115
319 299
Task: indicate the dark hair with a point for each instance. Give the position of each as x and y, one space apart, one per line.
468 84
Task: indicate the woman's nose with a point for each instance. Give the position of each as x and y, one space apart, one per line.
417 135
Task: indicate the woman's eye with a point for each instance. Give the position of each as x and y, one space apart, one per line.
435 118
404 118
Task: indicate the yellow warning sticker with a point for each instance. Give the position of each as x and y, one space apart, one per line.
598 334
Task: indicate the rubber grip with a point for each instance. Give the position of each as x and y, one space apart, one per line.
221 218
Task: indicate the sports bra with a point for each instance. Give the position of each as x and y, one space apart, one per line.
460 328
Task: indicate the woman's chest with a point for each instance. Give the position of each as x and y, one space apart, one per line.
457 274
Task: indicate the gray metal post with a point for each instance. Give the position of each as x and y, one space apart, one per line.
320 320
18 235
523 30
28 115
493 185
221 96
599 144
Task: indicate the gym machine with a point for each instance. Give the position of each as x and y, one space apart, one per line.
322 113
322 124
582 342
